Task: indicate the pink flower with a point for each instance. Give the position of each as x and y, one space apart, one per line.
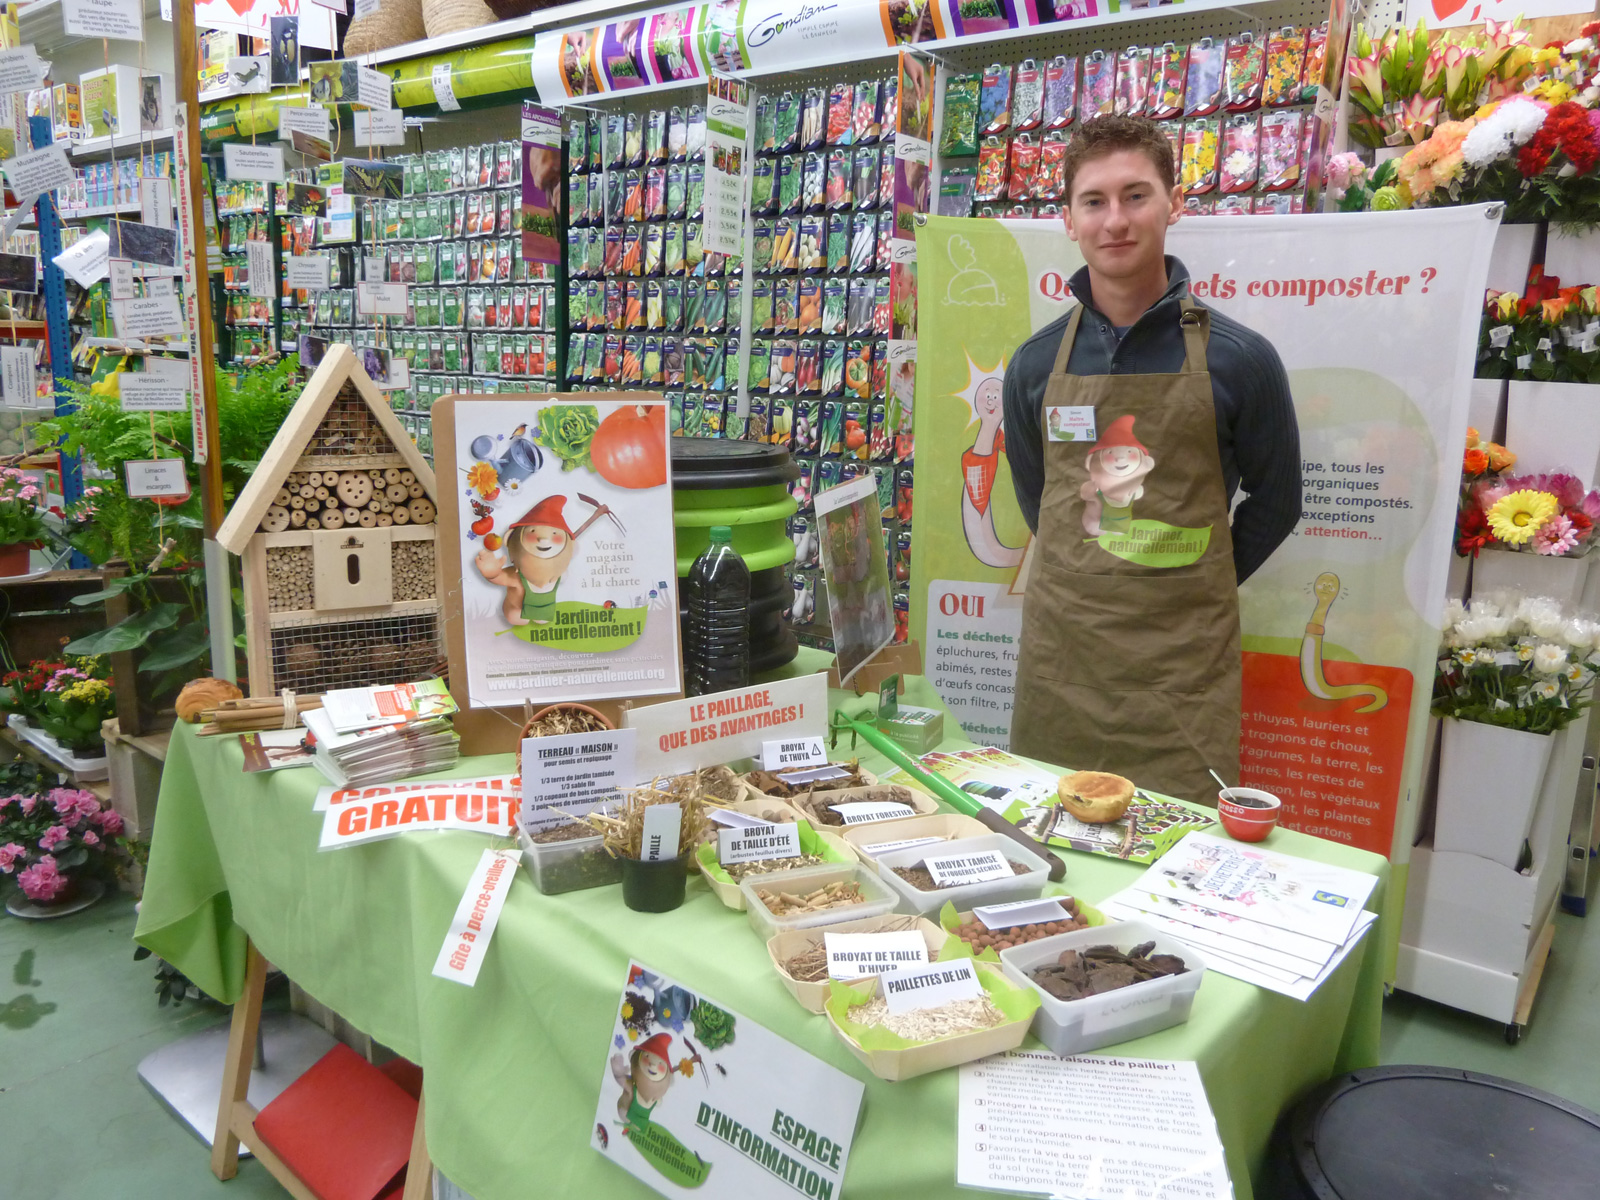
6 801
43 881
1591 506
1489 493
74 803
27 805
1555 537
55 836
110 821
91 838
9 853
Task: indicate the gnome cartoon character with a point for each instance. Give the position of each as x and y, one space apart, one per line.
1117 467
645 1076
539 550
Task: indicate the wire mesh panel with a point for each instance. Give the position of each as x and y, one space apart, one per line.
314 656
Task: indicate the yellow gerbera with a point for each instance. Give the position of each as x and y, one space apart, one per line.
1517 517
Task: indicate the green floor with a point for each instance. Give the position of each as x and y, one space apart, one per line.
77 1014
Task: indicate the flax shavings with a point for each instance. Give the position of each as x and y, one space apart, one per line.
931 1024
624 834
833 895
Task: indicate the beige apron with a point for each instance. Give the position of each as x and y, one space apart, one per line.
1130 627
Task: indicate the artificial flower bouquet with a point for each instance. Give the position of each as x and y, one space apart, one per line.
1550 335
51 839
1548 513
1515 661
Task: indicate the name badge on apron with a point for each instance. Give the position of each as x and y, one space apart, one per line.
1070 423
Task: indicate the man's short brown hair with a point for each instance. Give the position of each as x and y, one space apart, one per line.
1101 136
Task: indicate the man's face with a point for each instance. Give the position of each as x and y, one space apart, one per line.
1119 213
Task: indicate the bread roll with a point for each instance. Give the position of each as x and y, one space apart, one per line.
1095 797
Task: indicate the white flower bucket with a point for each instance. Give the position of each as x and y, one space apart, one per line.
1510 260
1554 427
1490 778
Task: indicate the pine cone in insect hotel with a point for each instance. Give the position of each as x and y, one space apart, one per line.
338 536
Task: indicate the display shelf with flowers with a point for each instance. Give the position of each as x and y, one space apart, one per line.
56 842
28 691
1546 513
1549 334
1514 673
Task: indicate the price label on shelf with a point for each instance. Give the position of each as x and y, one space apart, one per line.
444 92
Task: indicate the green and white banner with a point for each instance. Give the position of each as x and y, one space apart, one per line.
1376 319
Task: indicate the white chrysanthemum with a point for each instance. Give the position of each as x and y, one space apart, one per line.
1496 627
1525 652
1470 631
1574 673
1549 626
1503 130
1467 658
1578 635
1579 46
1547 690
1548 659
1454 611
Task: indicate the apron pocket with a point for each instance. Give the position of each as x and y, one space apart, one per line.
1176 631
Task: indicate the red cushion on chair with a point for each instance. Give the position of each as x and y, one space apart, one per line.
344 1127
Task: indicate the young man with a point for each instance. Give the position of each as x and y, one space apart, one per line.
1130 423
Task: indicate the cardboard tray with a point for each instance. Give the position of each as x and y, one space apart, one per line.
705 858
948 826
813 995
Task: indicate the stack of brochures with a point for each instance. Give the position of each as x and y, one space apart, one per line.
372 735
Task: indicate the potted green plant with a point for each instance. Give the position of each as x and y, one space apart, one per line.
76 703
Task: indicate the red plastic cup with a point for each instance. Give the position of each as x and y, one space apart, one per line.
1248 814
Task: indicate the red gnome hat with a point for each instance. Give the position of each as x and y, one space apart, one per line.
548 512
1119 433
656 1045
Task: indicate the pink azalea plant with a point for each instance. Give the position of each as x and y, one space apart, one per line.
47 839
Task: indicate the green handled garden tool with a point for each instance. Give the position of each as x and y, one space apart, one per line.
862 725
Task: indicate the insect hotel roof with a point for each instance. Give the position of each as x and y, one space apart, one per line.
341 422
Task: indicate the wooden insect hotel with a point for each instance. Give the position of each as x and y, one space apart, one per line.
337 532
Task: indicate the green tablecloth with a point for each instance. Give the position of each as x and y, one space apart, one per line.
513 1066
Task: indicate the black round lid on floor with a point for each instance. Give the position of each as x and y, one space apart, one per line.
1432 1133
699 463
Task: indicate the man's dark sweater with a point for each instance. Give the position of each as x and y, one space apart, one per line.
1257 435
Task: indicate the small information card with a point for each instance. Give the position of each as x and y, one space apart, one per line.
758 842
930 986
797 752
953 870
852 955
859 812
571 774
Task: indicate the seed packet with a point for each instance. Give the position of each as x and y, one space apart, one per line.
593 360
864 119
814 119
889 107
655 194
578 199
633 140
786 122
596 289
864 185
1239 143
655 137
692 426
809 319
855 438
863 240
835 294
1286 50
1280 150
1133 82
672 250
841 114
761 306
695 134
885 239
1315 57
1169 73
858 307
858 370
694 249
632 359
766 129
785 244
577 130
886 176
1050 181
882 306
838 244
991 180
1278 204
672 304
632 200
781 383
1233 206
695 187
1199 171
785 305
1024 171
955 191
694 305
594 141
761 246
1060 91
650 362
575 348
1098 93
677 191
734 289
830 432
577 304
677 134
763 187
1027 97
814 182
759 370
632 250
672 362
653 317
1246 67
1204 93
838 190
994 99
960 136
808 367
791 179
715 319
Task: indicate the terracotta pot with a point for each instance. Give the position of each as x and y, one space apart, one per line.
605 722
14 558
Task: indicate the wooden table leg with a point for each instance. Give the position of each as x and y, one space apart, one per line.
237 1065
419 1171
